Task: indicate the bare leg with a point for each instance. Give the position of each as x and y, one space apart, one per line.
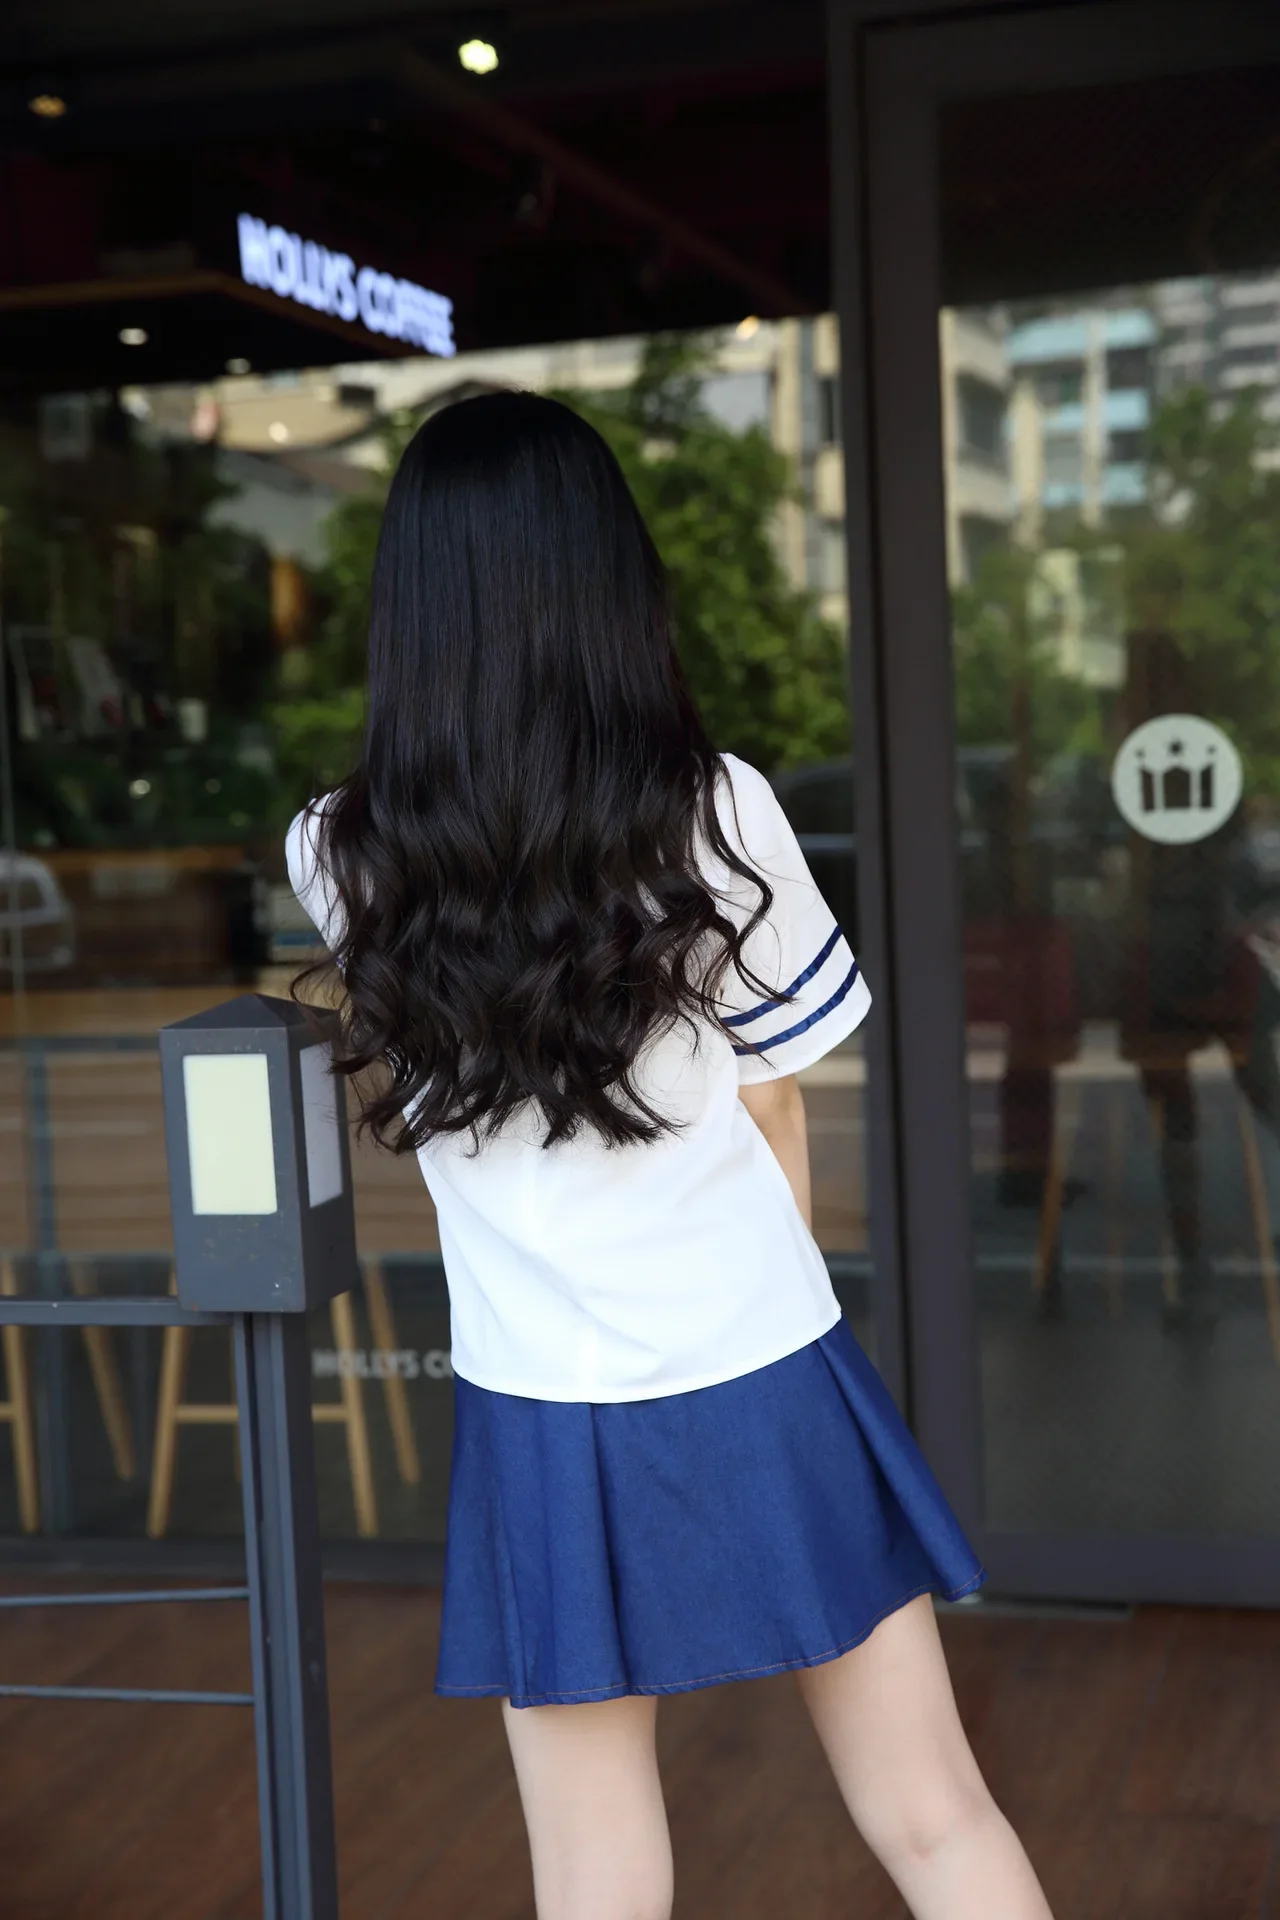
588 1779
887 1718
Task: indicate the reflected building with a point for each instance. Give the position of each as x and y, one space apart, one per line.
1082 386
976 396
282 435
1221 331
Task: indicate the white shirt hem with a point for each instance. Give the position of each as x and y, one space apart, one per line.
690 1385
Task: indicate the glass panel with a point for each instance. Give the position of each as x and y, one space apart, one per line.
181 627
1117 675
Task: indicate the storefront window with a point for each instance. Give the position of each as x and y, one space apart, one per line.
1116 700
183 574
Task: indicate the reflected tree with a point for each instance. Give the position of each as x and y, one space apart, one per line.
768 672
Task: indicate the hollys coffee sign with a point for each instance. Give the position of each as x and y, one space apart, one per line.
295 269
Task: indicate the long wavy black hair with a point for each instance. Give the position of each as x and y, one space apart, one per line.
514 861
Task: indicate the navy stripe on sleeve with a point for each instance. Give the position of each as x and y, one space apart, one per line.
771 1006
802 1026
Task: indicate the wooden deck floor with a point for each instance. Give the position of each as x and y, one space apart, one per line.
1140 1759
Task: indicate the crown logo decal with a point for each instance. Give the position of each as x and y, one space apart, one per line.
1177 787
1177 778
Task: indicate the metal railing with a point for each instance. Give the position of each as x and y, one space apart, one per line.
269 1263
283 1591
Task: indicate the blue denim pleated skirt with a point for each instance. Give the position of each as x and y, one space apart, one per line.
654 1546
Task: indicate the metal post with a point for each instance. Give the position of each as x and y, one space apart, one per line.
286 1613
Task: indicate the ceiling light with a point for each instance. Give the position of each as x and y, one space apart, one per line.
238 364
47 106
478 56
133 336
278 432
748 328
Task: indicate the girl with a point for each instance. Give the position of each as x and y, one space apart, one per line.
586 954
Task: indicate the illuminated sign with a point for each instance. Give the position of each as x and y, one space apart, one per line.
304 271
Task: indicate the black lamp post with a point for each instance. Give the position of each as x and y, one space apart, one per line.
263 1229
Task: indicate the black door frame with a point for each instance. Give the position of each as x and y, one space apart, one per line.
889 74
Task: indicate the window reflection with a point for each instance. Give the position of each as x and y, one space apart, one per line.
182 619
1122 992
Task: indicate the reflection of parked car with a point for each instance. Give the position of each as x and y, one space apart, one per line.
36 924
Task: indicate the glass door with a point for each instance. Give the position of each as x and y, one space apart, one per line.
1114 558
1097 299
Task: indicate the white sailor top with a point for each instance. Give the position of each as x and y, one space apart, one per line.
584 1272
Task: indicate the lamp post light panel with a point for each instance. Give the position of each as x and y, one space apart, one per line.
259 1158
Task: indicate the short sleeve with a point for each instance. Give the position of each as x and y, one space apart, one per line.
316 895
797 950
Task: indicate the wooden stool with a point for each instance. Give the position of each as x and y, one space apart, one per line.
107 1385
1255 1180
383 1328
111 1194
1066 1125
394 1216
16 1410
1065 1133
113 1199
172 1412
16 1238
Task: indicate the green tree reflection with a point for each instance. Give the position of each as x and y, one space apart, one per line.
768 672
1198 562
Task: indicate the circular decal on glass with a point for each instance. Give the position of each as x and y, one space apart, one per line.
1177 779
